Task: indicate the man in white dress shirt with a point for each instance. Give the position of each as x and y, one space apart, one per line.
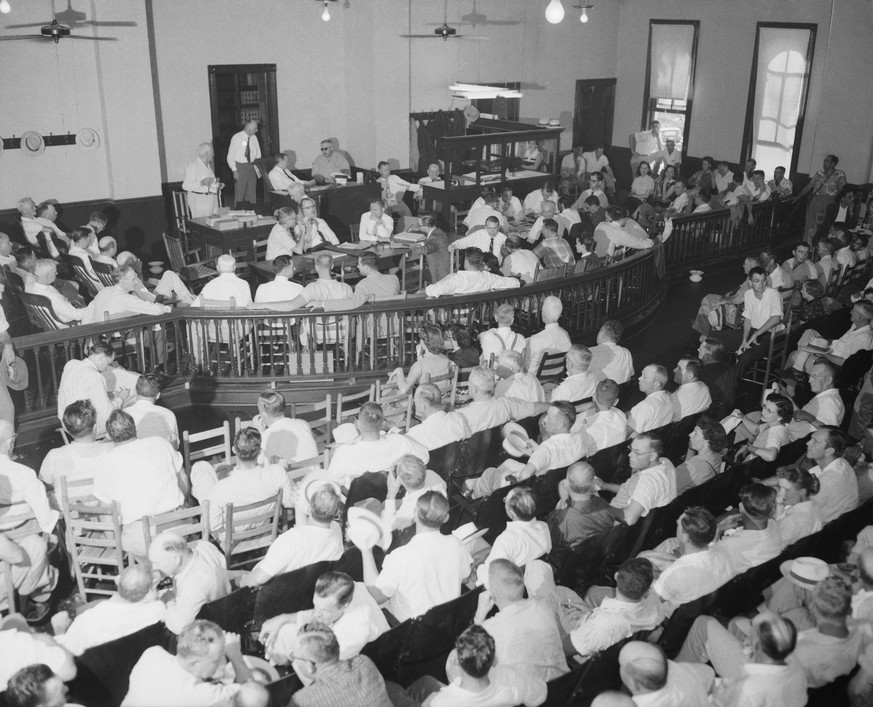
501 338
652 483
437 427
489 239
519 262
756 536
79 459
779 185
410 474
425 572
533 202
242 152
485 411
227 285
249 481
200 185
281 178
558 449
697 570
552 339
20 493
654 681
24 650
838 493
117 302
631 609
826 406
473 278
199 576
580 383
81 250
320 539
859 337
339 602
692 395
764 670
607 357
161 679
375 225
510 206
152 420
282 288
656 409
514 381
144 475
284 439
608 425
393 189
86 380
372 451
595 188
134 607
45 272
548 210
478 218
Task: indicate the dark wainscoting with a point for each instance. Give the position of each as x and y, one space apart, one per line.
137 223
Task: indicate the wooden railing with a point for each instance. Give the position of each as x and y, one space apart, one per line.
191 343
714 236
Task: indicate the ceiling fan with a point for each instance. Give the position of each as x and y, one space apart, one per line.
477 18
56 31
444 31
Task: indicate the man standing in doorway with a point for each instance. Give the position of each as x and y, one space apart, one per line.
243 151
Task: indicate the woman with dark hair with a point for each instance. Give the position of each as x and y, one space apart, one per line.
796 515
465 353
770 434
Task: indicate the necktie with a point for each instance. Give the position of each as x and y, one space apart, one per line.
248 150
491 245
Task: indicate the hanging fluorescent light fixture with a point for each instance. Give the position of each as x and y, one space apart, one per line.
473 91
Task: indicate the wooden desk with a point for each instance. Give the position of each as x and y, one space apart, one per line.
344 257
214 242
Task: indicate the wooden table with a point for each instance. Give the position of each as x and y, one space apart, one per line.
214 242
345 256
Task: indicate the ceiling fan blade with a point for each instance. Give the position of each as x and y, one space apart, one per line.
31 24
471 36
98 23
92 39
22 36
421 36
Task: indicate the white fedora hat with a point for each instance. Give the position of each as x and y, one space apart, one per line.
515 440
805 572
366 529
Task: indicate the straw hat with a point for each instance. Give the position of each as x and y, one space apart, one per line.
515 440
366 529
805 572
14 375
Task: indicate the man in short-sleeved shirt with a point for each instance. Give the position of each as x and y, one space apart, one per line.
656 409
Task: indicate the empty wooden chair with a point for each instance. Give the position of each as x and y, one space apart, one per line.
191 523
249 530
93 537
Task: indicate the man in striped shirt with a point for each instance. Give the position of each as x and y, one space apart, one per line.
552 250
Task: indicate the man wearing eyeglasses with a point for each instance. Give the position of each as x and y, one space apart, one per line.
328 163
652 483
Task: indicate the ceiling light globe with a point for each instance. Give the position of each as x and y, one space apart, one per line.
555 12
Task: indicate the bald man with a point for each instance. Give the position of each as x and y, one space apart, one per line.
653 680
170 286
324 292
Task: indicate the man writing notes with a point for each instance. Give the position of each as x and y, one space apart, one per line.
328 163
243 151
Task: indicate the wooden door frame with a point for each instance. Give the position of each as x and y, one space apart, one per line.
581 83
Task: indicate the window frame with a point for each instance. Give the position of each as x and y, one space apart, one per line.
753 81
649 104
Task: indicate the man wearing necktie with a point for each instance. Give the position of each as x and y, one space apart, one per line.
243 151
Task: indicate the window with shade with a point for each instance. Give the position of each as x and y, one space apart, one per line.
777 94
670 78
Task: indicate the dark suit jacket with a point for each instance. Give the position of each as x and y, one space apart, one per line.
831 214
